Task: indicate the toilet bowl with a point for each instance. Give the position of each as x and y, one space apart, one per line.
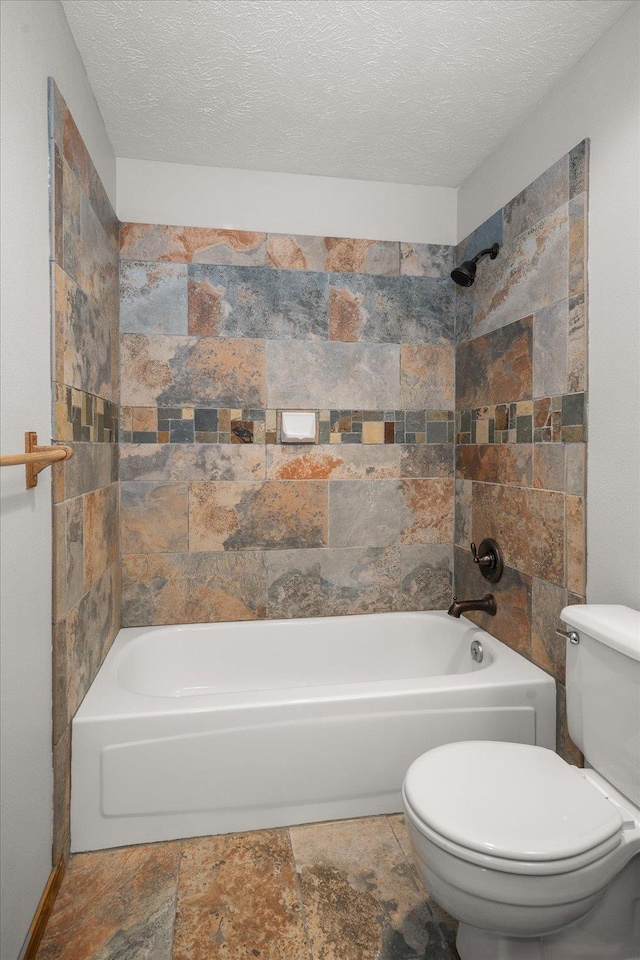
514 842
537 859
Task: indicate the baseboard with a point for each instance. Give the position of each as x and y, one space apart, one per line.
43 912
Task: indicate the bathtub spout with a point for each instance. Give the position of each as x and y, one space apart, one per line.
487 605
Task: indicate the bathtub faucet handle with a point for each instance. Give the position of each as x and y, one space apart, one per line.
486 561
489 559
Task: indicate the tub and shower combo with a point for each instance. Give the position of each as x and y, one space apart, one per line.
215 728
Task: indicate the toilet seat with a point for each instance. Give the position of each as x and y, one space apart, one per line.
531 813
533 868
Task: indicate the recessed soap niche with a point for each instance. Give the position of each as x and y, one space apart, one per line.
298 426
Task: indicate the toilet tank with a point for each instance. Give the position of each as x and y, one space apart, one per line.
603 691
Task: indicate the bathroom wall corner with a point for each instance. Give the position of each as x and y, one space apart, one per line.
521 414
85 413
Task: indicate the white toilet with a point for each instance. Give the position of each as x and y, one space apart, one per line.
537 859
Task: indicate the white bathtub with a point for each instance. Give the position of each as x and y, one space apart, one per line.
212 728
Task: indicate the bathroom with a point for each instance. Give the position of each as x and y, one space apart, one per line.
205 269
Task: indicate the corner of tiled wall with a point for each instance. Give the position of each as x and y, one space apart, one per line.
85 385
521 414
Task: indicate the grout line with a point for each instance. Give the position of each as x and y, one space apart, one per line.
414 870
188 483
417 880
175 908
299 892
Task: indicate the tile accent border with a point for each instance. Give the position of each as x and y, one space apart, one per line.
225 425
559 419
83 417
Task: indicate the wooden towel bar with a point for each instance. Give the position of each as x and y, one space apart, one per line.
35 458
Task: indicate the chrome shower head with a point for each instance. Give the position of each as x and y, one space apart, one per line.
465 274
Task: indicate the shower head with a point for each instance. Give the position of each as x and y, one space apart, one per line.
465 274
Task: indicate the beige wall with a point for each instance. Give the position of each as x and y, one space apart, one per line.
154 192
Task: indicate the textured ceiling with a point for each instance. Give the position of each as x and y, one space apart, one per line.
409 91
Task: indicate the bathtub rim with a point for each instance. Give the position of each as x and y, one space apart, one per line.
106 699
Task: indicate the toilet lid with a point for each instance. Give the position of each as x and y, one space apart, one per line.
509 800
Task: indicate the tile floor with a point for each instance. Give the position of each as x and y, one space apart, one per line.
345 890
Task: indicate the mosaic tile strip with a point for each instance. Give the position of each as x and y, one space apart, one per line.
225 425
83 417
388 426
559 419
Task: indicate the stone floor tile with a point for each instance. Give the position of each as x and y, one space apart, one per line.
238 899
396 822
357 896
360 895
448 926
115 905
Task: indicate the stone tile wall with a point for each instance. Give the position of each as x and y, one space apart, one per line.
86 562
220 329
521 381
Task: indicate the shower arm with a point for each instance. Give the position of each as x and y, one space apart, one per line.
491 251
